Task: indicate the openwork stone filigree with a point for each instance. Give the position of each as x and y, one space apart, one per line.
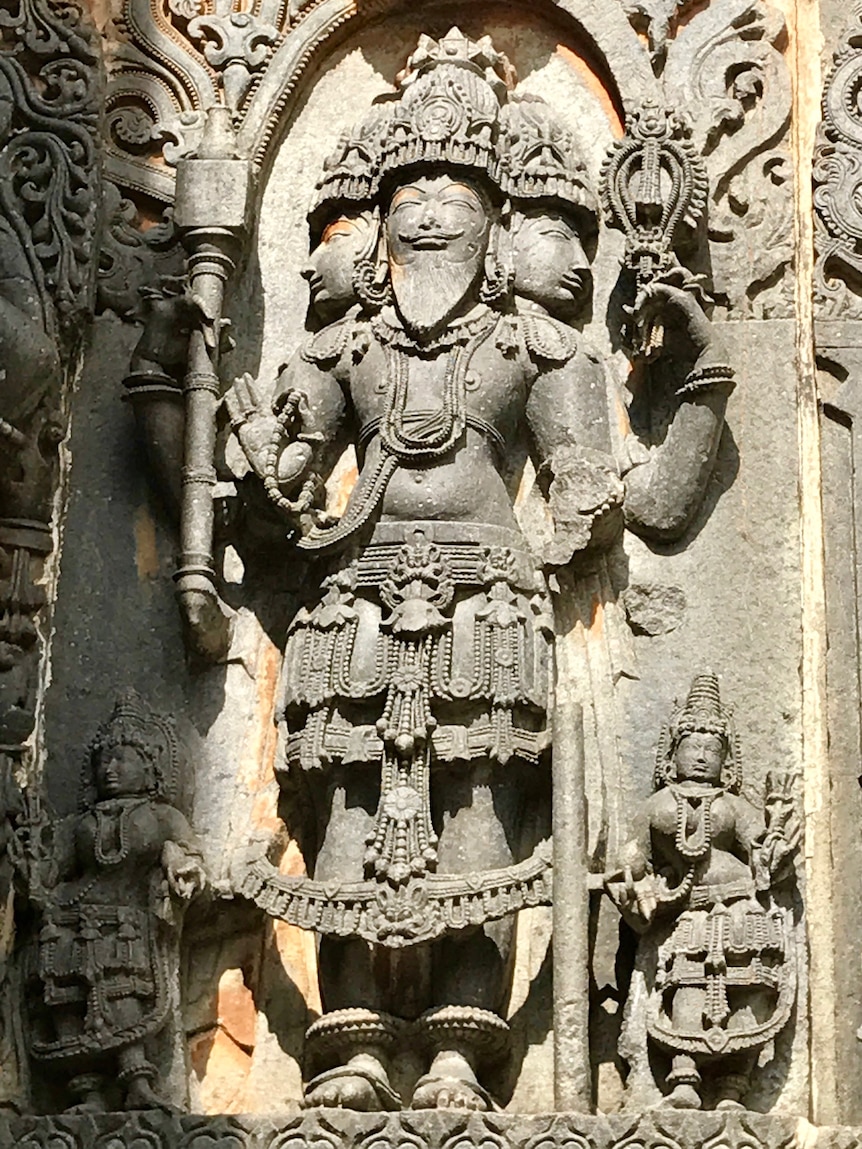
51 91
838 178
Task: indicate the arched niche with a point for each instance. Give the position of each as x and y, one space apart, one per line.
554 56
599 28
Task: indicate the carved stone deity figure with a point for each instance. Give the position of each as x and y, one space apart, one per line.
110 892
698 881
417 683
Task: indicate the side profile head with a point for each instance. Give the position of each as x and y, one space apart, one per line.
699 743
553 227
551 266
331 267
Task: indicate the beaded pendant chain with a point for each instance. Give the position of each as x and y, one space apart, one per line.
697 843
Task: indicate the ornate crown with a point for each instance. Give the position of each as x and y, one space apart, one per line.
452 91
701 713
351 173
538 158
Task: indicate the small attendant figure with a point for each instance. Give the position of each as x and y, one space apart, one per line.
716 952
109 893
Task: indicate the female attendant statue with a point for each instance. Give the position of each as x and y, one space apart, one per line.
110 894
698 882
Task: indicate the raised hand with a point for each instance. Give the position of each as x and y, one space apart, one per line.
673 311
252 421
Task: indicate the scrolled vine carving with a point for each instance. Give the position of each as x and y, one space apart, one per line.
725 66
837 183
51 87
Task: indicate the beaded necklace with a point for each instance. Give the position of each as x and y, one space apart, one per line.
105 811
695 844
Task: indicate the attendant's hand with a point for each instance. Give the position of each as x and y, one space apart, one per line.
253 423
185 874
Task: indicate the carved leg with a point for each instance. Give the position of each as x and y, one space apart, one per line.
685 1080
687 1012
479 812
353 1039
359 1042
89 1089
461 1037
732 1084
137 1074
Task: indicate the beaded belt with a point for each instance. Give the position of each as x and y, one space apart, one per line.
702 897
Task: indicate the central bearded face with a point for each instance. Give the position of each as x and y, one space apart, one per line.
437 230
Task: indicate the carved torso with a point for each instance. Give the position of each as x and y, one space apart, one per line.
722 825
119 843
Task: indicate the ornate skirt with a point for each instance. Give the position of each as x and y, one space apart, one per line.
433 645
736 956
91 957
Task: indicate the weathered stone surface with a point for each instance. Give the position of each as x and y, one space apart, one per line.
707 575
653 609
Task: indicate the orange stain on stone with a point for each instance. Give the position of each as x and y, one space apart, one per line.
595 86
235 1007
146 548
346 483
222 1068
257 762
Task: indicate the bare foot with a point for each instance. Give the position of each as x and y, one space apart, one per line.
450 1084
352 1087
729 1103
448 1093
92 1103
141 1095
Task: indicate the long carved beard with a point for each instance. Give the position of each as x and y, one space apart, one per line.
430 289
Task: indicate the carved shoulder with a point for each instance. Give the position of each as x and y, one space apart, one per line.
547 340
325 348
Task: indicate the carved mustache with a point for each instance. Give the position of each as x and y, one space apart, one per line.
419 236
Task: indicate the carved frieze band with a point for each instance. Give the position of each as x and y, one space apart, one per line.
333 1129
838 181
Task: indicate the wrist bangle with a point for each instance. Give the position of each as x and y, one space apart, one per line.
704 378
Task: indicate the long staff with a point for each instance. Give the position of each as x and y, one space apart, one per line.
572 1075
213 192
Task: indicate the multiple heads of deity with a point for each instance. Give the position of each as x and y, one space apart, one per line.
457 191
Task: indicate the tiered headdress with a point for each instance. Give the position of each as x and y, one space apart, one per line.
133 723
539 159
351 173
455 106
702 713
451 93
